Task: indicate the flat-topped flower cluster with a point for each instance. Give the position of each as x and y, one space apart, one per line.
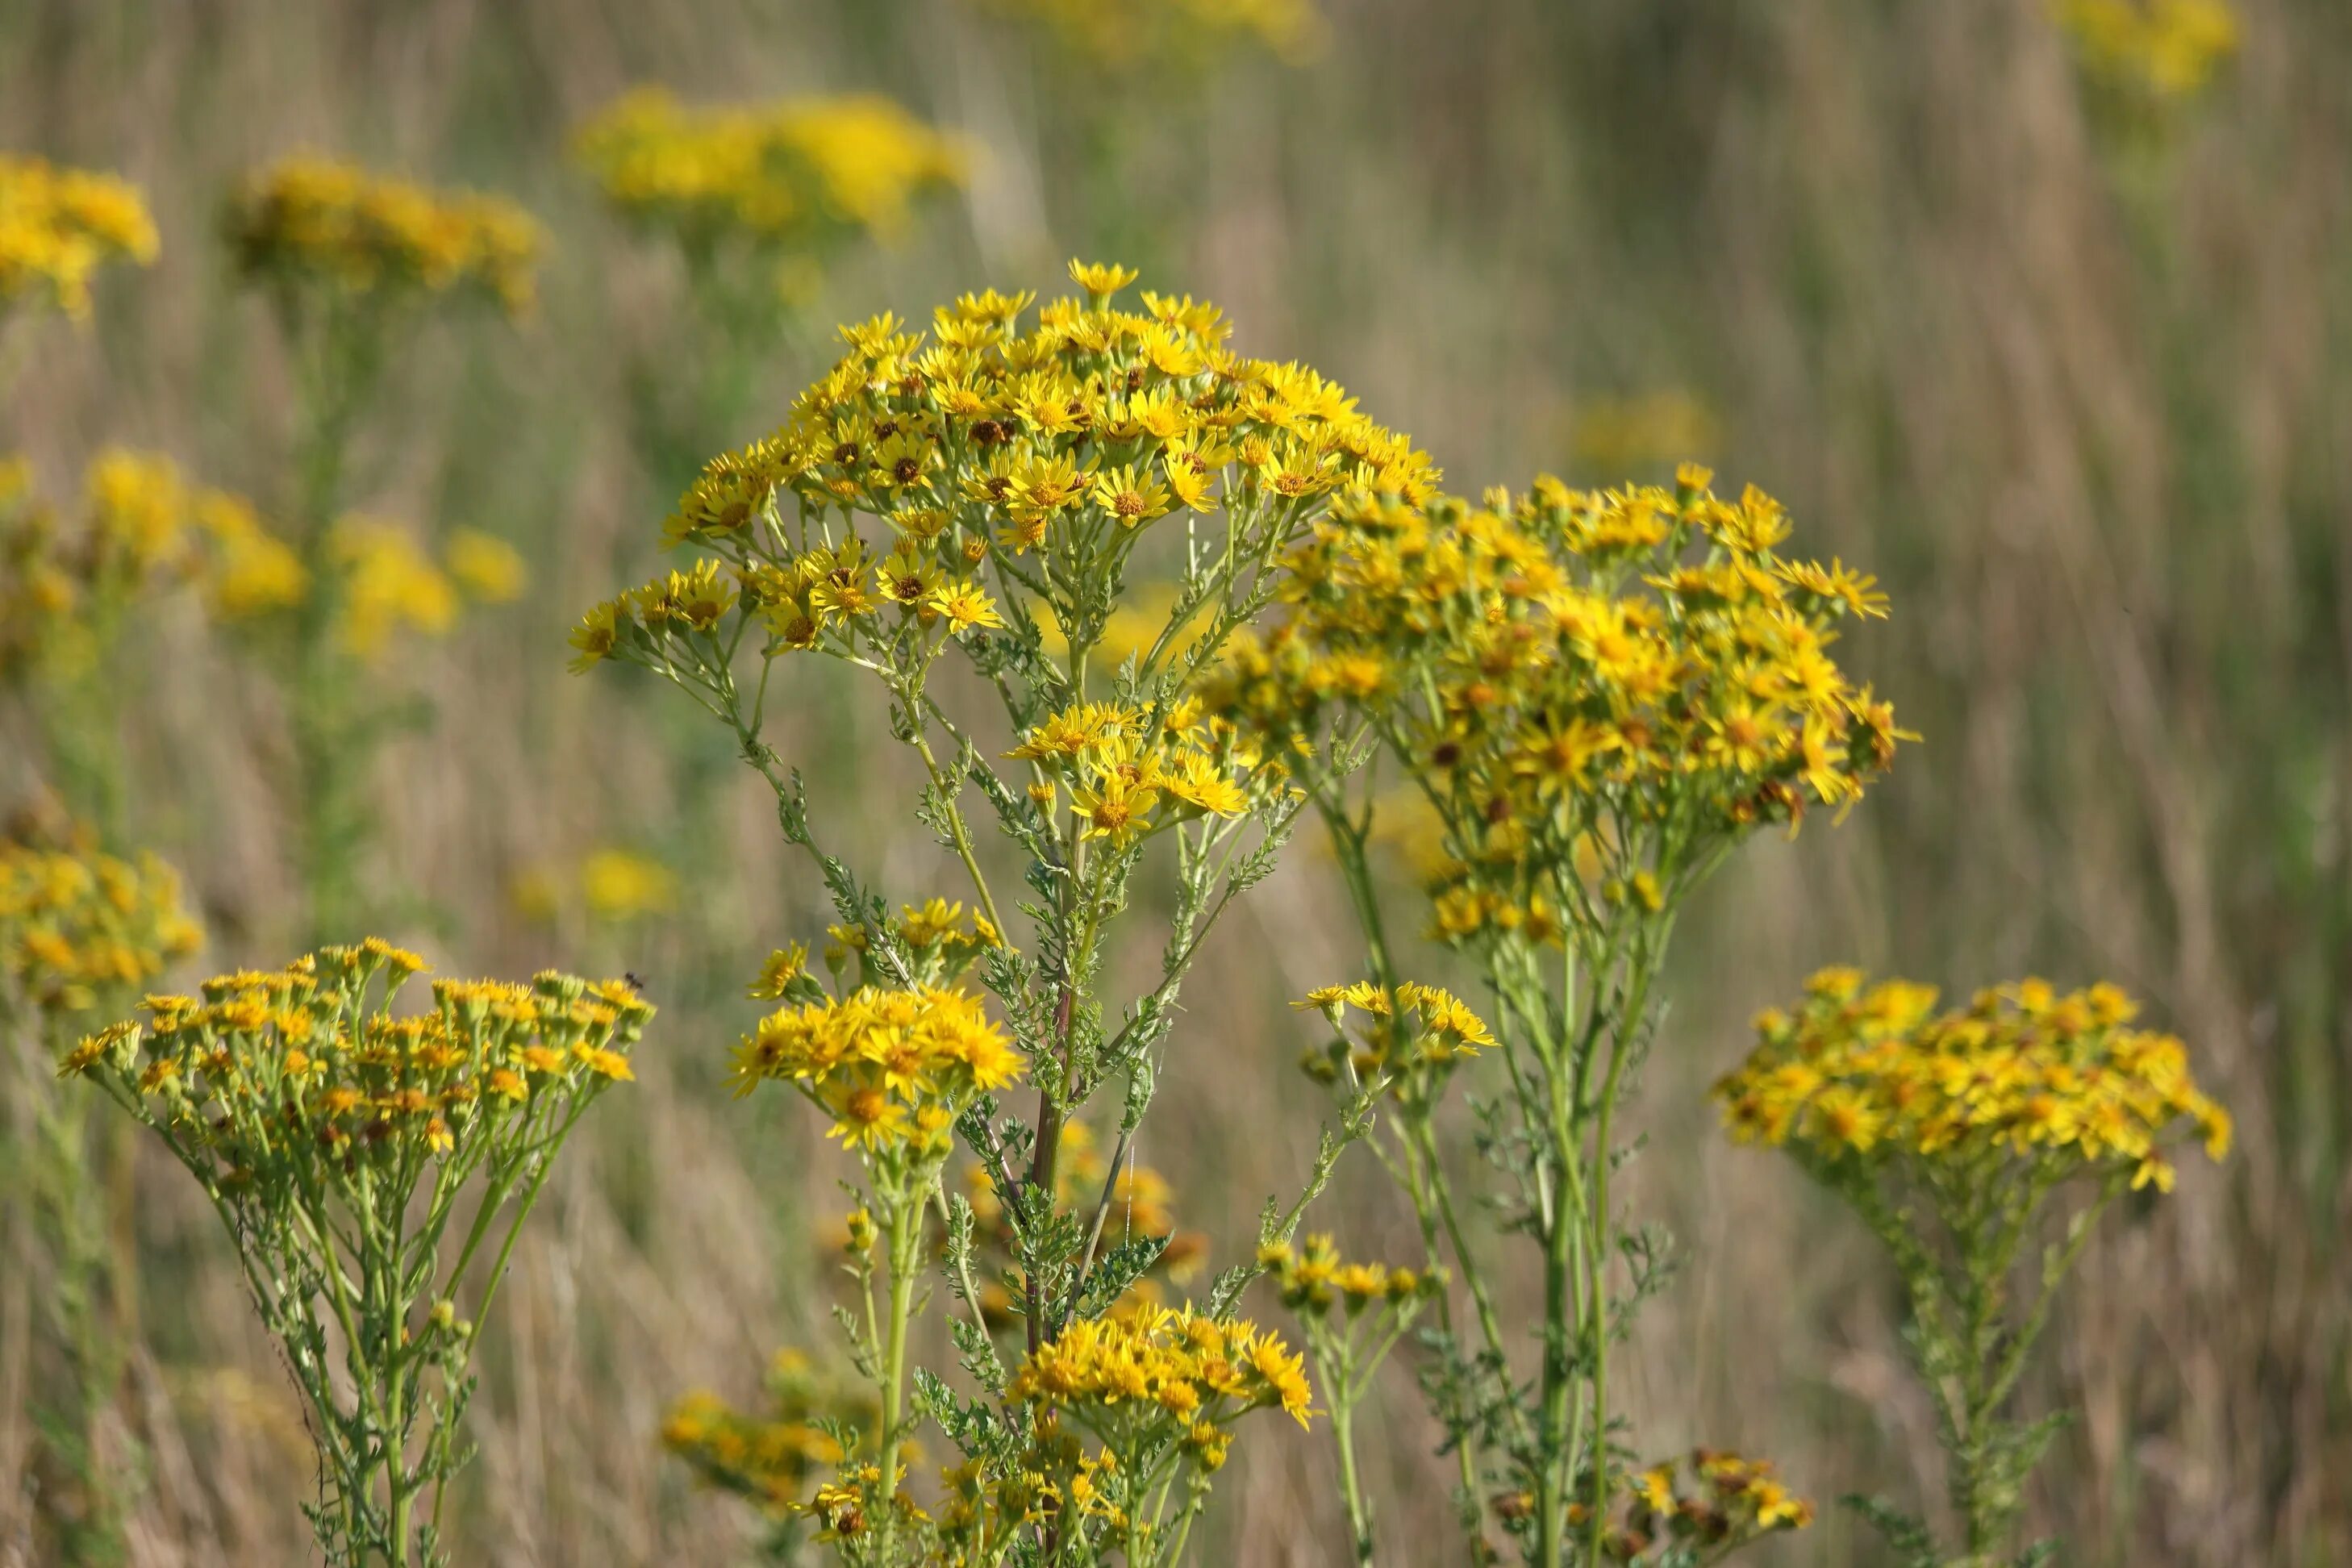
890 1067
58 226
319 222
1116 1374
77 925
984 444
780 174
1568 673
280 1077
2023 1073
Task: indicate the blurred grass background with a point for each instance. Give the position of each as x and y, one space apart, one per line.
2075 380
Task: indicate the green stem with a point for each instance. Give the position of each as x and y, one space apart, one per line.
1360 1512
906 1240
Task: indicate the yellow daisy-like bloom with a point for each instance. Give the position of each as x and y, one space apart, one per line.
1116 1375
1312 1279
58 226
790 174
1414 1036
1718 1496
883 1065
318 222
1118 768
2057 1084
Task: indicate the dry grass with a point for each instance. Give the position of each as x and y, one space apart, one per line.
2087 411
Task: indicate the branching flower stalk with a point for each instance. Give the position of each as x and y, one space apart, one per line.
995 494
77 584
762 201
1376 1305
365 1163
350 262
1954 1137
1594 698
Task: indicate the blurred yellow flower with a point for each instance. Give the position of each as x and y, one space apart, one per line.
621 885
2169 49
316 220
486 566
59 225
789 173
1155 33
389 586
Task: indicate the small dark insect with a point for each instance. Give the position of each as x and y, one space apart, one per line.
630 978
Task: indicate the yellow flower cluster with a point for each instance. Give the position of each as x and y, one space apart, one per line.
77 926
388 586
770 1456
2059 1082
1313 1278
611 883
1112 34
1415 1034
1570 673
312 220
278 1076
1121 1376
938 935
893 1068
986 442
142 526
59 225
1712 1500
1118 768
2168 48
786 175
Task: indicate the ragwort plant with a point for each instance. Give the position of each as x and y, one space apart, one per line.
81 933
352 264
950 497
1597 697
1345 1349
762 203
1957 1137
80 587
365 1163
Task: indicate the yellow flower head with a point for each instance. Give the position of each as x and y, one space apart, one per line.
58 227
80 929
389 586
331 225
768 1456
794 174
1567 671
2057 1084
880 1063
